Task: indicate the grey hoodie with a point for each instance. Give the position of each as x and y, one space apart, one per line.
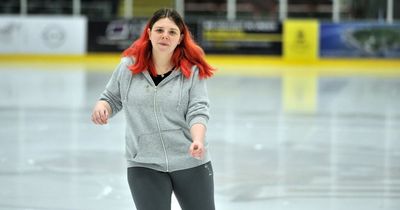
158 118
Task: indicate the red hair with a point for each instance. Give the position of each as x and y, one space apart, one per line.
185 55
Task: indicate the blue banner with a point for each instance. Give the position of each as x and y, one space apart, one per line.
360 40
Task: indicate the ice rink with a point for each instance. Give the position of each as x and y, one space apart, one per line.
282 137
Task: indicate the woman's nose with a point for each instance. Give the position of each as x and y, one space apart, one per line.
165 35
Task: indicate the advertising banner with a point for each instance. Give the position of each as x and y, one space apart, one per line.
117 35
113 35
301 40
241 37
360 40
43 35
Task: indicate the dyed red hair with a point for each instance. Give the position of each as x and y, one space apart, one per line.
185 55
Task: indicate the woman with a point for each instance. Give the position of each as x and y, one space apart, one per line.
160 84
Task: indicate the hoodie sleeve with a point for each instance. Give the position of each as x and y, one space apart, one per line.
112 93
198 108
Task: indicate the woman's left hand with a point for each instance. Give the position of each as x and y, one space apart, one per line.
197 150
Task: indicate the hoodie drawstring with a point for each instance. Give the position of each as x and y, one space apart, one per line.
180 91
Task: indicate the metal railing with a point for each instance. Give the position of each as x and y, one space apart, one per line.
337 9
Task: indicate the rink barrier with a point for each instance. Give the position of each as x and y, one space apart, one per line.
251 65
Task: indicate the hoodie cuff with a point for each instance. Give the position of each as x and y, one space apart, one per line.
113 108
196 120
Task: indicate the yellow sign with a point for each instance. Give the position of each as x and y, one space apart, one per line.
300 40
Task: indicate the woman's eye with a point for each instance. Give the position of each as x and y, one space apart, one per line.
160 31
172 33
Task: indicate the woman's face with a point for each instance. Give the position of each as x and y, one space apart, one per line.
165 35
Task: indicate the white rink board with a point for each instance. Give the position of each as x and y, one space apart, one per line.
43 35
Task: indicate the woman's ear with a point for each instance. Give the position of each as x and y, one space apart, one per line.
148 32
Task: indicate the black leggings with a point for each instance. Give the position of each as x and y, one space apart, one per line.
152 190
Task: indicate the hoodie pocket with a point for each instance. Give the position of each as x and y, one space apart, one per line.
150 149
177 144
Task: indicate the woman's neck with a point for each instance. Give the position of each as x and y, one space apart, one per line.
162 63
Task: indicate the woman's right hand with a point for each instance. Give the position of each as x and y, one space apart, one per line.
101 112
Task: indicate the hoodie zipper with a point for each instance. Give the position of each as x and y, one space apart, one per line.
159 128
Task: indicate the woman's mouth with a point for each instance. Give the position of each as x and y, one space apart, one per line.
163 44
